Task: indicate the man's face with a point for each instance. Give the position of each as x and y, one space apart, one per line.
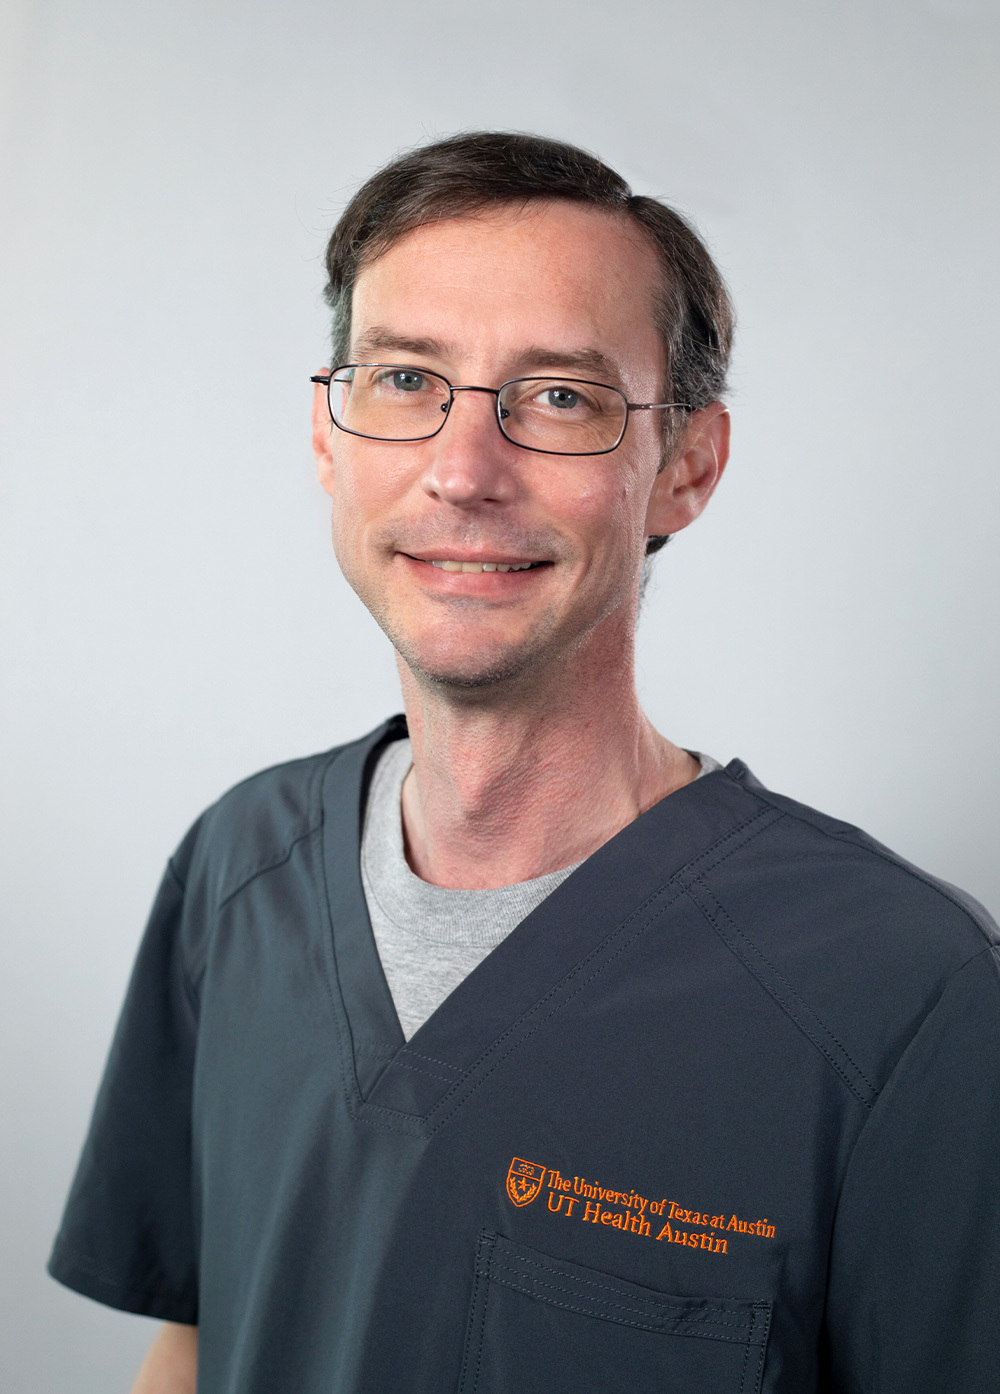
558 289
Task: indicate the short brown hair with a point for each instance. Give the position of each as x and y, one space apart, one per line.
467 173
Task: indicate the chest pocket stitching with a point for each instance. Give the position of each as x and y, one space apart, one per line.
530 1290
484 1241
487 1261
765 1312
589 1282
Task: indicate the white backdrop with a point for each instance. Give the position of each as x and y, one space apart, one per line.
173 618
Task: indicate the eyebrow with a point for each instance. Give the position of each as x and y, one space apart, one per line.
586 360
379 339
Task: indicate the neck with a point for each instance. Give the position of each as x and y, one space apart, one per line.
509 787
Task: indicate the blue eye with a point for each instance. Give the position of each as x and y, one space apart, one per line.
562 397
408 382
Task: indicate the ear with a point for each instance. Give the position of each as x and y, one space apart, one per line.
686 483
323 436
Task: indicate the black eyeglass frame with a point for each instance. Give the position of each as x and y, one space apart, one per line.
326 379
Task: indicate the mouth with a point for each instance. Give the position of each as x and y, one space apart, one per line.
476 568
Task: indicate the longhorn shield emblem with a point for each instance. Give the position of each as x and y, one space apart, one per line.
524 1180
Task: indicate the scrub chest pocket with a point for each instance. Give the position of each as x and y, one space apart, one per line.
539 1325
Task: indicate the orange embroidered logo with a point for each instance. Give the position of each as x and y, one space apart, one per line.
524 1180
577 1198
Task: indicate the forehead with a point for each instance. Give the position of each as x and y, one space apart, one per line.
554 274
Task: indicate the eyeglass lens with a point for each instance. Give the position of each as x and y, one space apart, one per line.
561 416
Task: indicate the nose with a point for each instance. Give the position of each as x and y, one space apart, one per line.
469 460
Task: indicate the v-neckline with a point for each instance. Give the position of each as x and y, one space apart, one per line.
553 953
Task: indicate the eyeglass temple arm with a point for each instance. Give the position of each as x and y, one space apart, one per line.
323 378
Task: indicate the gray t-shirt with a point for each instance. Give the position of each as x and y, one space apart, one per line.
430 937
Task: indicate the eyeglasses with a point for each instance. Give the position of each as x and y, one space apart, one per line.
556 416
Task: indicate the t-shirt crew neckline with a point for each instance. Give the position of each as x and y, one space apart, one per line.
430 938
436 914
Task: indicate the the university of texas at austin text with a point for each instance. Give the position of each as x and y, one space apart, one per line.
574 1197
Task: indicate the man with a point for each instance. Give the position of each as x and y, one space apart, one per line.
512 1047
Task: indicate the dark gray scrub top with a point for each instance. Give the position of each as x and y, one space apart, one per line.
720 1116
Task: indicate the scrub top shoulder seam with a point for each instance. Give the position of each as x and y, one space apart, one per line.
990 949
277 860
854 837
821 1037
304 828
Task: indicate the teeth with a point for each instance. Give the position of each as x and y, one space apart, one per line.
478 566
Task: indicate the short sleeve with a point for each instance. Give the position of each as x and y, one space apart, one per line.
913 1301
128 1234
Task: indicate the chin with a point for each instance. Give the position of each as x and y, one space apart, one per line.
488 666
470 675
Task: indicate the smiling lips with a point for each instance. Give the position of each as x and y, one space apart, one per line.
480 566
475 568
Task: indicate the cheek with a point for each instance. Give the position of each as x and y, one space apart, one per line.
364 489
354 507
605 505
